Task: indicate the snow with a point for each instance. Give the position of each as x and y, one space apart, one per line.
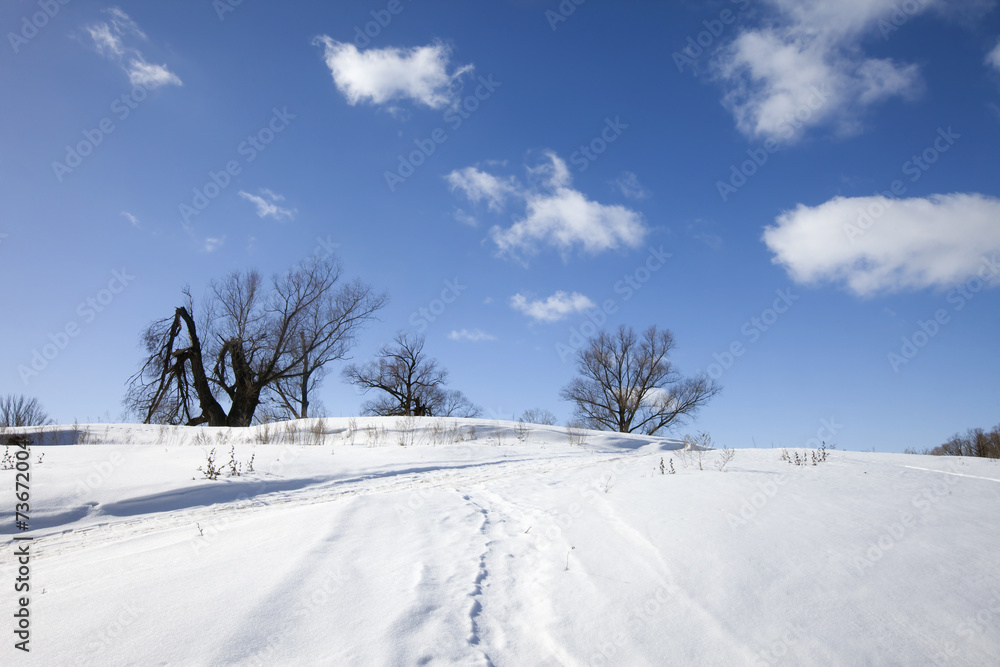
468 546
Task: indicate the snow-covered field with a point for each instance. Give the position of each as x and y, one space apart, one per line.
470 546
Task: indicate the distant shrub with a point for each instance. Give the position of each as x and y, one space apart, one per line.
539 416
18 410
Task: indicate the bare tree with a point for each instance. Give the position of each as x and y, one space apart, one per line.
19 410
538 416
628 384
457 404
326 333
409 384
260 343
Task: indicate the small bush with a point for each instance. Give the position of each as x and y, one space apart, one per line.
210 470
521 431
263 433
576 433
725 458
667 471
318 430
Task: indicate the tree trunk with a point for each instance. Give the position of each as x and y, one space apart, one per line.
210 408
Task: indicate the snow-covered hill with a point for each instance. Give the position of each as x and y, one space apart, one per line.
477 543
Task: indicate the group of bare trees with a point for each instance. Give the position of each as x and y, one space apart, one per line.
250 345
256 349
975 442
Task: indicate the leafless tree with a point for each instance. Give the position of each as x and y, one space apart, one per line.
456 404
539 416
628 384
251 345
19 410
326 333
409 384
975 442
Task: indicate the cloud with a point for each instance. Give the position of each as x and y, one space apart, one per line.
213 243
554 214
474 335
876 244
806 68
993 57
380 76
132 219
266 206
466 218
557 307
628 184
479 186
110 37
141 73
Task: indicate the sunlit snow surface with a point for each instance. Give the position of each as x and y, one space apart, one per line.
470 546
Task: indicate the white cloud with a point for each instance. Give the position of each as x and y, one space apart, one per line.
558 306
213 243
554 213
131 218
110 40
479 186
566 219
993 58
141 73
806 69
466 218
628 184
384 75
108 44
473 335
267 206
875 244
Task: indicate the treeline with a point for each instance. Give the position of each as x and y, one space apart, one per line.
252 350
974 442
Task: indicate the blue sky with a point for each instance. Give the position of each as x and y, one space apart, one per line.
805 193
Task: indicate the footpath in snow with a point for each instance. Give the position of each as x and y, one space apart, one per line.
381 541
